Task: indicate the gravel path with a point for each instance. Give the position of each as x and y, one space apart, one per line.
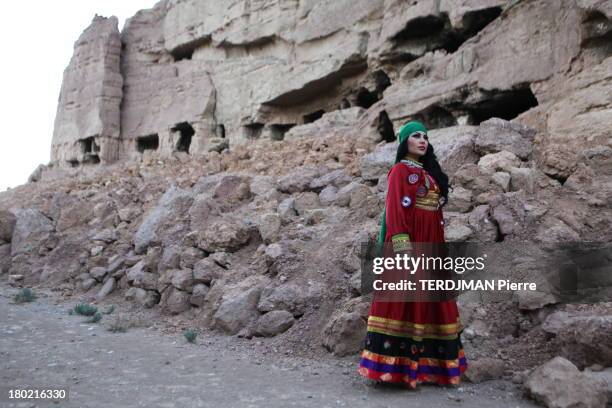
41 345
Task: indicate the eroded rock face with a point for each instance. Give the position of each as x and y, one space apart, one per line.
88 117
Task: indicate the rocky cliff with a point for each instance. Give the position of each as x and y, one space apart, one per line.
225 163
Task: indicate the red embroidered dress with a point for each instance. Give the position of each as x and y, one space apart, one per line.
411 342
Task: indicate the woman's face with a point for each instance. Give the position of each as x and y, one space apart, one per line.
417 143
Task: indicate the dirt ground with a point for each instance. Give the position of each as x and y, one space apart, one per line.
41 345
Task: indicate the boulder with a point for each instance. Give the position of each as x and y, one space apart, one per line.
175 301
485 369
140 278
238 308
286 209
232 188
559 384
261 185
328 195
335 178
273 323
483 225
500 161
306 201
454 146
496 135
207 270
183 279
32 228
225 234
202 210
170 258
583 337
379 162
502 179
189 257
106 289
344 333
457 233
107 236
603 375
269 227
522 178
198 295
88 283
298 179
146 298
287 296
165 221
98 273
533 299
353 195
459 200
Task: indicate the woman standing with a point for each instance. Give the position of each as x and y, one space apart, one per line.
413 342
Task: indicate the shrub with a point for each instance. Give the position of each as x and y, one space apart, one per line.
85 309
25 295
190 335
95 318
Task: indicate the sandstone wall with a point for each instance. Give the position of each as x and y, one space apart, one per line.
202 75
87 121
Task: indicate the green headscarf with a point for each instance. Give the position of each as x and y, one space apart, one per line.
404 132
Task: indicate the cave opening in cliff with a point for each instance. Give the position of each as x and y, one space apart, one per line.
184 54
366 98
472 23
382 81
598 32
434 32
185 51
420 27
436 117
311 117
384 126
220 131
90 150
150 142
89 145
253 130
185 133
277 131
502 104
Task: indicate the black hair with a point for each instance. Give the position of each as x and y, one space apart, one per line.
430 164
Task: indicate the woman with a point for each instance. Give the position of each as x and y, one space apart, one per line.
413 342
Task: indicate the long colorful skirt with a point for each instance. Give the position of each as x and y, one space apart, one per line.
415 342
